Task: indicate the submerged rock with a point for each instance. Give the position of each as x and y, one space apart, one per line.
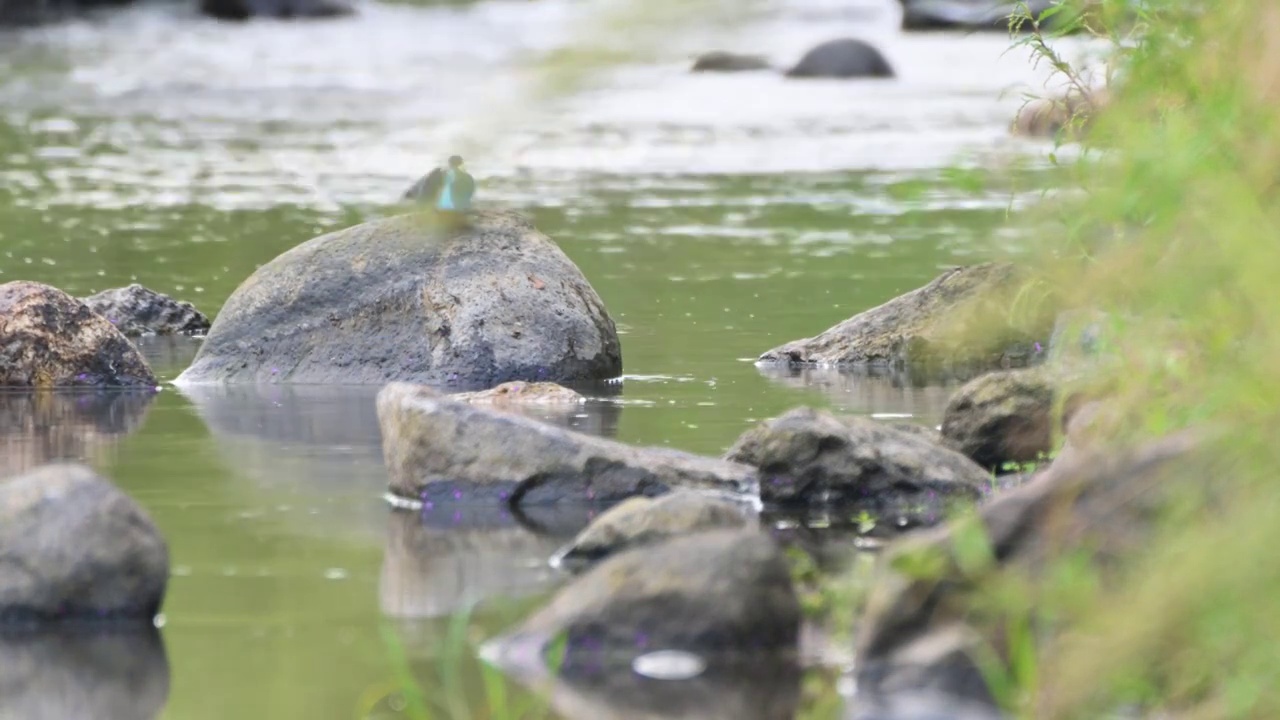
279 9
136 310
50 339
961 317
919 632
842 58
522 393
722 593
644 521
73 547
1002 417
811 456
436 448
414 298
719 61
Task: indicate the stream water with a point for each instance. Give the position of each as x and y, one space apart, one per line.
716 215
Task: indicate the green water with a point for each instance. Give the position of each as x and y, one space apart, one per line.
296 592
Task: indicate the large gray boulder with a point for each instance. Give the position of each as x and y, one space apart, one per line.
813 457
73 547
1003 417
961 318
474 302
927 610
724 593
439 449
842 58
644 521
50 339
138 311
63 673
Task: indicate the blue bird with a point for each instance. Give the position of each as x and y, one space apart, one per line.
449 189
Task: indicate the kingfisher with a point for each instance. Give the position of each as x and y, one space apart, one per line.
446 189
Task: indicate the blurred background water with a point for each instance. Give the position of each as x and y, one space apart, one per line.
716 215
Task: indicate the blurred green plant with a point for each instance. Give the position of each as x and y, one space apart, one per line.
1172 235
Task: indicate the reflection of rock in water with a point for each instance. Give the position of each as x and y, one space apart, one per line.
42 426
863 390
105 675
322 443
764 689
431 571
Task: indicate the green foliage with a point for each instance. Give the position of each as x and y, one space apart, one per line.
1172 235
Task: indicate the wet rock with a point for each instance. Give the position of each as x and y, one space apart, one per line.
107 674
1002 417
522 393
136 310
965 14
960 318
475 302
280 9
919 629
719 61
718 594
842 58
50 339
73 547
812 456
924 432
1047 117
643 521
509 458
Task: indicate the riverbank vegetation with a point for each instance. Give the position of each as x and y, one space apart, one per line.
1172 236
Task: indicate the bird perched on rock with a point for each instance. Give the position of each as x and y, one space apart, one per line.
445 188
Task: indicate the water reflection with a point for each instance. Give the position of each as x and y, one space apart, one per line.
866 390
40 427
765 689
435 566
107 675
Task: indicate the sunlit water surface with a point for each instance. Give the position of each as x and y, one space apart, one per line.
717 216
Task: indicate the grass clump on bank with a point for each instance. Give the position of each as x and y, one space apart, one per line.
1174 237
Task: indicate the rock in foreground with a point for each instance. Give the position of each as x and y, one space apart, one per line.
413 298
644 521
813 457
136 310
719 61
843 58
73 547
960 318
1002 417
719 593
436 448
49 339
